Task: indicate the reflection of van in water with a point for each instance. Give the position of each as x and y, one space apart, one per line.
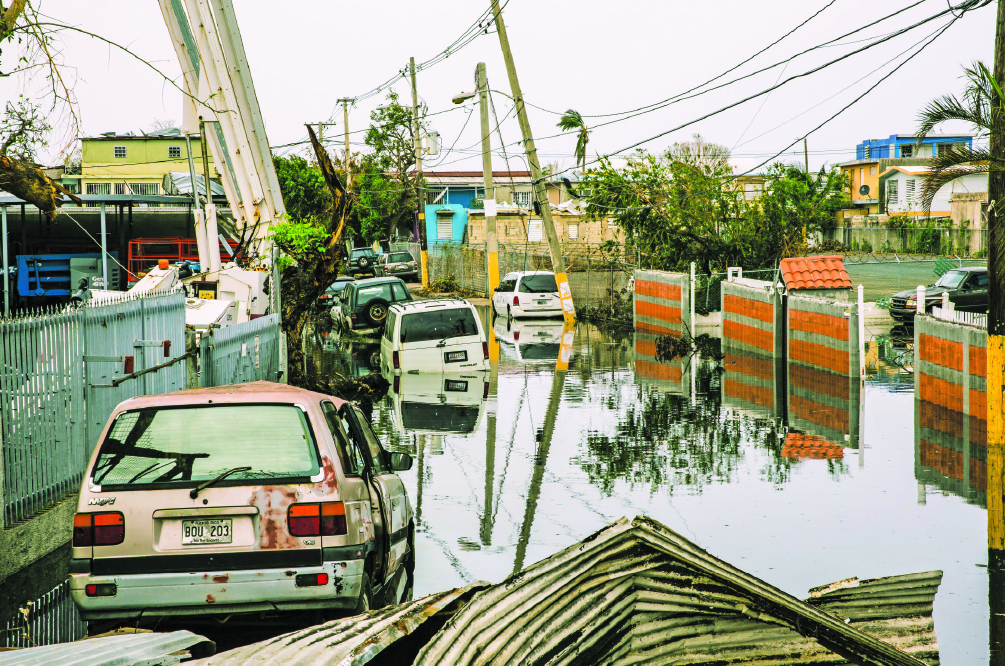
533 340
433 403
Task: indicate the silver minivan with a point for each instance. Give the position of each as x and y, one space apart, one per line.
441 335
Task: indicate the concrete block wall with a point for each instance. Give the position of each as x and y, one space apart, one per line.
673 376
752 317
661 302
751 380
950 375
824 389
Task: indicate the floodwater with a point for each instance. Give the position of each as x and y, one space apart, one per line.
546 458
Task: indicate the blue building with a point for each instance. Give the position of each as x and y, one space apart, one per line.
446 222
898 146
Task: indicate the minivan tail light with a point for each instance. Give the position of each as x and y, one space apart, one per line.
516 300
325 519
397 381
516 335
100 590
396 360
485 348
98 529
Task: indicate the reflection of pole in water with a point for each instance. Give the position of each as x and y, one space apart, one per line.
540 461
422 476
490 451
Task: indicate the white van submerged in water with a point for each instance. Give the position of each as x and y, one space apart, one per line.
441 335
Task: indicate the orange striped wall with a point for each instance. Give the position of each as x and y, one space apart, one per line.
938 418
756 337
763 368
940 351
819 381
819 355
943 460
758 395
665 371
978 475
748 307
978 361
670 292
659 311
820 324
815 412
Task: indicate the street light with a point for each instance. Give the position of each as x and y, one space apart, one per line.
463 97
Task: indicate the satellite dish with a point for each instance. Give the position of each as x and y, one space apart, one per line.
864 190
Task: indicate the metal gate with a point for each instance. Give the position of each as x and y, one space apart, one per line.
239 353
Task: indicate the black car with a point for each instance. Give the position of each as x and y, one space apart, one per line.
967 289
330 297
363 304
362 260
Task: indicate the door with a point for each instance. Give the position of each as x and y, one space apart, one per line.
504 295
390 514
973 294
539 292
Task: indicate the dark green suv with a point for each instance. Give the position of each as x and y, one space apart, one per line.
362 260
363 304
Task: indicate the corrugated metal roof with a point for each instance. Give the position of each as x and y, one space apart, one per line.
352 641
150 649
637 592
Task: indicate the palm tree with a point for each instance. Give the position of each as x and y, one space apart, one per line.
571 121
981 107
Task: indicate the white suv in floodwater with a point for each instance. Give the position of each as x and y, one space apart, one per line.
527 294
441 335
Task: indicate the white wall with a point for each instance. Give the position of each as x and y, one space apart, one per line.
971 183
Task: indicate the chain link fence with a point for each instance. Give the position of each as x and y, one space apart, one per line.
884 275
708 288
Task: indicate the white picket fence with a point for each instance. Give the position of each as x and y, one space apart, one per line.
969 318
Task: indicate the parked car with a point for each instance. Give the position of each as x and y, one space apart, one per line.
330 297
527 294
967 288
362 260
399 264
431 403
442 335
532 340
363 304
247 498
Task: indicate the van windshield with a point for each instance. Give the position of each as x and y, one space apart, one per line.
437 325
538 284
194 444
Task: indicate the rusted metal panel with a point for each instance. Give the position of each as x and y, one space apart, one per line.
637 592
351 641
149 649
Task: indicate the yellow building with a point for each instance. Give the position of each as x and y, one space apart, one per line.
136 163
863 179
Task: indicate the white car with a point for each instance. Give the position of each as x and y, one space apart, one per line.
539 340
438 404
441 335
527 294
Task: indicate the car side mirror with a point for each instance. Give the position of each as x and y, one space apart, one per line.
399 462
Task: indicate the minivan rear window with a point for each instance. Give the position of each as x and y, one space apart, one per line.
194 444
437 325
538 284
400 256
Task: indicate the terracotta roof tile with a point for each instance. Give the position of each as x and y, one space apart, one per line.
823 272
798 445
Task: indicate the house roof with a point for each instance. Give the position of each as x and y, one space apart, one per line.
910 170
821 272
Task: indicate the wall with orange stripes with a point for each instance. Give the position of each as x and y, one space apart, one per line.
752 317
661 302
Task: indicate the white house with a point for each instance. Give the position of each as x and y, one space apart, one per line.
900 189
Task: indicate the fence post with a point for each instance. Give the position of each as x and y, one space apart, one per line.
861 334
589 269
691 310
919 307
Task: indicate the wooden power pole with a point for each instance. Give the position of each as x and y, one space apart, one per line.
491 240
996 359
420 193
539 189
345 122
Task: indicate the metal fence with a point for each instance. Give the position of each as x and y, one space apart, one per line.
240 353
885 275
52 618
968 318
708 288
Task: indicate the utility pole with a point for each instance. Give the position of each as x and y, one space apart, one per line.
806 156
491 240
996 360
345 122
420 194
540 191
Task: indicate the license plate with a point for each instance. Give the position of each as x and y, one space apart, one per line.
455 385
455 356
207 530
542 302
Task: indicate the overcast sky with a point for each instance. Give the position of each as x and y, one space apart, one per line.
595 57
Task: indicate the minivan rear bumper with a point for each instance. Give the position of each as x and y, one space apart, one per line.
214 592
518 311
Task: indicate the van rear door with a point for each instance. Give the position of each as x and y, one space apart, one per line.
440 338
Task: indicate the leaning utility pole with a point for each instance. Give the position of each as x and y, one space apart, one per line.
996 359
540 191
345 117
420 194
491 240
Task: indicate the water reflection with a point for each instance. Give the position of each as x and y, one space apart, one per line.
529 340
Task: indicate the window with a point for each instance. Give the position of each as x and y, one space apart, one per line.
436 196
508 284
522 199
951 279
872 171
573 231
400 293
192 444
352 459
438 325
445 227
372 292
907 151
392 317
534 230
868 152
861 175
539 284
376 450
980 281
120 188
397 257
909 190
119 151
98 188
892 191
174 152
144 188
612 223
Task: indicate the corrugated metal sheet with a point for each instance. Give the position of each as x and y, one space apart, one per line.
639 593
351 641
127 650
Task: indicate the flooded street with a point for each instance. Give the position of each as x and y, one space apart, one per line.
502 482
